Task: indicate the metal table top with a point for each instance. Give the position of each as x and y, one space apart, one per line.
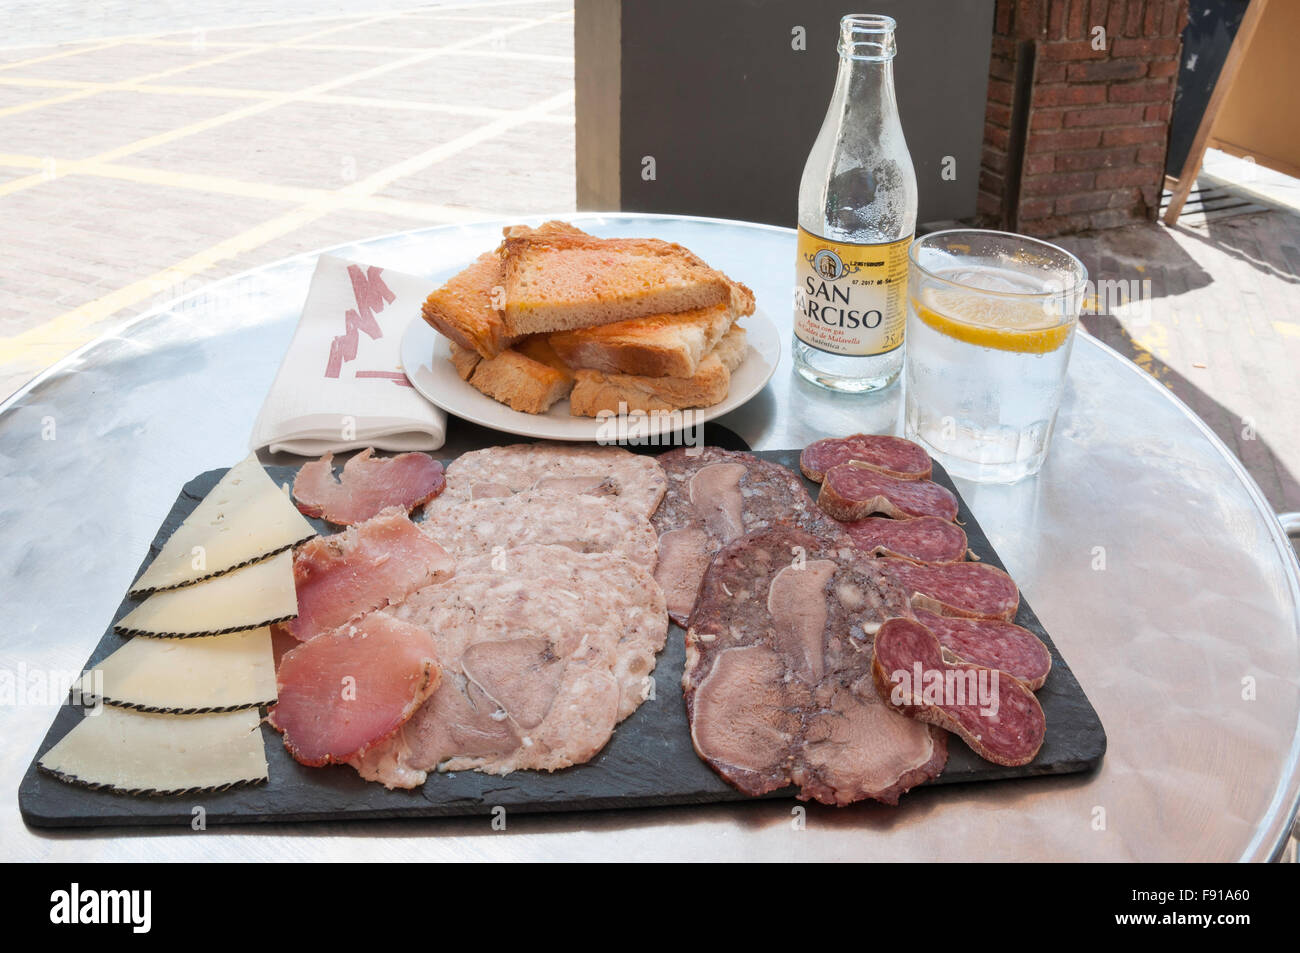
1146 549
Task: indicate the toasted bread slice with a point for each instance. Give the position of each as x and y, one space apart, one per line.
660 345
539 349
596 391
464 309
560 282
525 383
464 360
733 347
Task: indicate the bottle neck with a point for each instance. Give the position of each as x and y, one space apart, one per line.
864 86
864 92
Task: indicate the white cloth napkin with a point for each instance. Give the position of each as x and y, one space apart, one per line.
341 384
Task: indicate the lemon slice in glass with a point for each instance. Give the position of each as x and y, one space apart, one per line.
1028 325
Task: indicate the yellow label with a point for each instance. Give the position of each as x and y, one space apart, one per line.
850 299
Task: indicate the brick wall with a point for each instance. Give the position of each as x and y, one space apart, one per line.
1077 120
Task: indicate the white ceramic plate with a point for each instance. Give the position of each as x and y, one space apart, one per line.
425 358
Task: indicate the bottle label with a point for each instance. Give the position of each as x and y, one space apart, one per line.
850 299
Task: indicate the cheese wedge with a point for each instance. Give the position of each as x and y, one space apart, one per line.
138 753
245 518
247 598
213 673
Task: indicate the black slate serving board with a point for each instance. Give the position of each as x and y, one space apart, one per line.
649 762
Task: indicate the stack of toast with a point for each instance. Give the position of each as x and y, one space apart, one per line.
616 325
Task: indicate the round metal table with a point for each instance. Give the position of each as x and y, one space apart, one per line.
1148 552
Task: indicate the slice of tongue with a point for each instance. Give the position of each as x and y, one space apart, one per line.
714 496
778 680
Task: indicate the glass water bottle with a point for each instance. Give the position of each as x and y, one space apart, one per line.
857 215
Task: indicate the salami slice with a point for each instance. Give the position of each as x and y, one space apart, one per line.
999 717
993 644
713 497
852 492
926 538
970 590
892 455
778 673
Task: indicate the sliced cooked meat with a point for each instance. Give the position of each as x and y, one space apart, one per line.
365 567
993 644
367 485
852 492
545 650
925 538
634 481
971 590
585 524
351 688
742 719
998 717
778 673
714 496
892 455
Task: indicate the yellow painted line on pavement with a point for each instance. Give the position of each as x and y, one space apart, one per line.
232 92
16 185
1286 329
75 327
223 185
199 64
58 56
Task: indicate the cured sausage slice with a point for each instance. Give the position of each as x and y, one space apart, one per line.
971 590
926 538
852 492
713 497
892 455
778 682
993 644
999 717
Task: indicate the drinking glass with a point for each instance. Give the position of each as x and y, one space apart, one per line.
990 323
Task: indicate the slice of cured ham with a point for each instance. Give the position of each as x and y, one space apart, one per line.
925 538
778 673
353 687
971 590
993 644
545 651
365 567
585 524
851 492
998 717
713 497
367 485
633 481
892 455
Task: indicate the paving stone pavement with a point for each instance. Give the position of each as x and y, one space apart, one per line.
145 147
1219 326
